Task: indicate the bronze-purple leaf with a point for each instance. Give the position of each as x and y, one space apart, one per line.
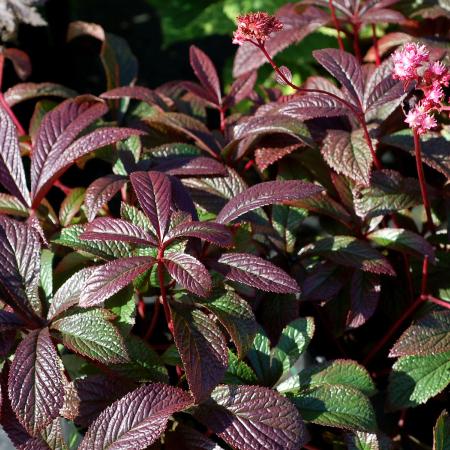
267 193
111 277
189 272
214 233
206 73
154 193
258 272
100 192
35 384
136 420
111 229
12 174
253 417
241 88
136 93
202 348
9 321
191 166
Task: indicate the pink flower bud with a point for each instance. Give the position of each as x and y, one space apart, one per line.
408 60
255 27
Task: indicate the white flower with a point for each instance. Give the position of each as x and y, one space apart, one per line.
14 12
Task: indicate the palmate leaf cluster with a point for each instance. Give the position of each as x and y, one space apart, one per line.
224 285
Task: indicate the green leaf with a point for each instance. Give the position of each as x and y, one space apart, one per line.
71 206
335 406
428 335
90 334
123 306
236 315
294 339
144 363
46 277
351 252
349 154
238 371
286 221
136 217
403 241
441 432
415 379
10 204
367 441
70 237
267 369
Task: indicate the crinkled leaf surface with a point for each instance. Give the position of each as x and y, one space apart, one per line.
202 348
250 417
367 441
214 233
415 379
35 384
136 420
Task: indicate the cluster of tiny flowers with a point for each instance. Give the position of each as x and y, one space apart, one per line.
255 28
412 64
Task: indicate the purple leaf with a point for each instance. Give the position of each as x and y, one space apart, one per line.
100 192
12 175
189 272
214 233
9 321
295 28
59 160
186 438
191 166
322 283
20 60
349 154
202 348
181 198
311 106
267 193
35 384
259 273
87 397
202 93
136 93
286 73
251 417
27 91
110 229
266 156
206 73
365 291
111 277
136 420
241 88
20 265
382 15
346 69
68 294
153 191
58 129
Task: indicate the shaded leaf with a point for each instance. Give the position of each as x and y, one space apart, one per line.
71 206
441 432
249 417
35 385
9 204
27 91
367 441
241 88
9 321
111 277
136 420
202 348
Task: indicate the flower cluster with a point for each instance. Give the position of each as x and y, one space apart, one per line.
412 64
255 28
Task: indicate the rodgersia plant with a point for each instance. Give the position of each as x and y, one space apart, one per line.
245 273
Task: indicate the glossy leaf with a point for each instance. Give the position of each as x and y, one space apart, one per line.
236 315
441 432
136 420
191 166
27 91
428 335
100 192
110 229
415 379
9 204
351 252
335 406
241 88
257 272
90 334
12 174
71 205
267 193
211 232
110 278
367 441
189 272
35 385
249 417
153 191
202 348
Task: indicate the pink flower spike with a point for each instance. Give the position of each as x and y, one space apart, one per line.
408 60
256 28
419 119
437 72
434 96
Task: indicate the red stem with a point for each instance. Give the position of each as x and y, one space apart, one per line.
62 187
336 24
222 120
154 320
423 286
375 45
358 114
356 47
163 290
438 301
422 182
